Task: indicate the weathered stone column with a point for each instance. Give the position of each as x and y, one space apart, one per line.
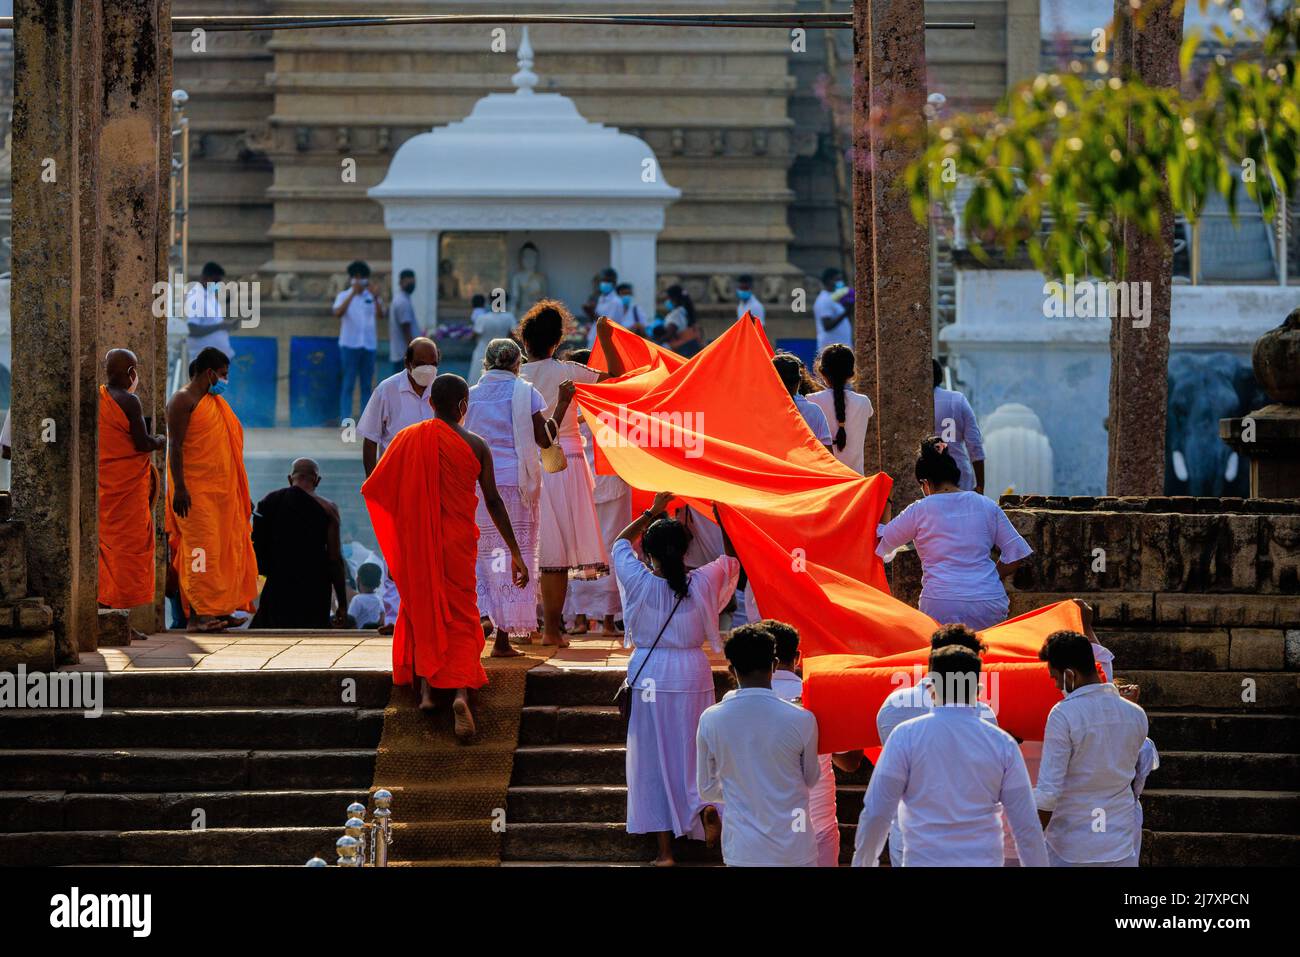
54 443
1139 355
892 324
134 46
864 312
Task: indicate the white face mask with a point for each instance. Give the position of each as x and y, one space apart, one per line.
424 375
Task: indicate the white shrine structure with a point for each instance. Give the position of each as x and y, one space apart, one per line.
529 166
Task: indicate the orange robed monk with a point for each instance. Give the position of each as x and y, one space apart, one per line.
422 501
209 509
128 487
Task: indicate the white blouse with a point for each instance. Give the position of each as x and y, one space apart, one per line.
648 600
857 413
546 376
954 533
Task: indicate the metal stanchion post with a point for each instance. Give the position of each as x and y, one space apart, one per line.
317 862
347 847
357 813
382 833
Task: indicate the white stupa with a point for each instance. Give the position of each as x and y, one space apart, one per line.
527 161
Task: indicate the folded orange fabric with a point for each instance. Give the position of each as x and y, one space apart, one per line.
421 498
721 428
213 544
128 487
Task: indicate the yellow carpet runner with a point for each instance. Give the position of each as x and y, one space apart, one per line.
449 799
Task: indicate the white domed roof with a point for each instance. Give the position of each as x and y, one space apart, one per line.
525 144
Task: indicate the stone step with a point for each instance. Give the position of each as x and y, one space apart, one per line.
1224 730
1264 692
592 842
1192 849
534 804
238 845
1241 811
578 724
260 728
62 810
1227 770
571 687
119 771
1182 649
569 764
266 689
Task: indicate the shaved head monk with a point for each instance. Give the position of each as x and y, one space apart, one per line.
209 508
128 487
296 538
422 502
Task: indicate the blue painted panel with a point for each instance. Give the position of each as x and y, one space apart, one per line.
315 374
252 380
805 349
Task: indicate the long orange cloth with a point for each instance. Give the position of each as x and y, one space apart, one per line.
212 546
721 428
422 501
128 487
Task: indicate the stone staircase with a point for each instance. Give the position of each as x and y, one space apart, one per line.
195 767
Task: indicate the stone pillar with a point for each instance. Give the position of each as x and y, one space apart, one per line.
54 346
417 250
133 42
632 253
892 322
1139 356
864 312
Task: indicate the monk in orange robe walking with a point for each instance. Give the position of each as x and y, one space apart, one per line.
128 487
422 501
209 510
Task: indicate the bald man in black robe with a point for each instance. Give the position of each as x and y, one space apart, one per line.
296 537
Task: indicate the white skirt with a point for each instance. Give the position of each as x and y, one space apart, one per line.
568 537
512 609
599 597
661 791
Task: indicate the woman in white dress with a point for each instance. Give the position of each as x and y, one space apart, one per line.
847 412
673 684
597 598
569 539
507 413
954 532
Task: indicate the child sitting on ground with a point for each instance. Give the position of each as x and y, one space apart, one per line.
366 608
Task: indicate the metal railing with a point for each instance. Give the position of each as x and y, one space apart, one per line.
364 844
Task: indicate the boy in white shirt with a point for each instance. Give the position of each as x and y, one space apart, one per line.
758 754
1092 747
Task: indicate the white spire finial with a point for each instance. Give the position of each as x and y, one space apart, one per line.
525 79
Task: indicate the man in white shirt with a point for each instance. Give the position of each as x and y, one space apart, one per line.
758 754
834 323
608 302
398 401
951 771
746 301
788 685
634 316
954 422
403 326
790 369
1091 752
204 313
917 700
359 310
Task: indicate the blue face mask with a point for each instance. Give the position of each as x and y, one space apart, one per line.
743 295
668 305
606 288
839 284
218 387
627 300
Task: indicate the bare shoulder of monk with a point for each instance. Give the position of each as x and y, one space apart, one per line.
128 402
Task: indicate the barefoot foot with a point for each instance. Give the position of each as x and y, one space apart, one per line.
464 720
557 640
712 826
